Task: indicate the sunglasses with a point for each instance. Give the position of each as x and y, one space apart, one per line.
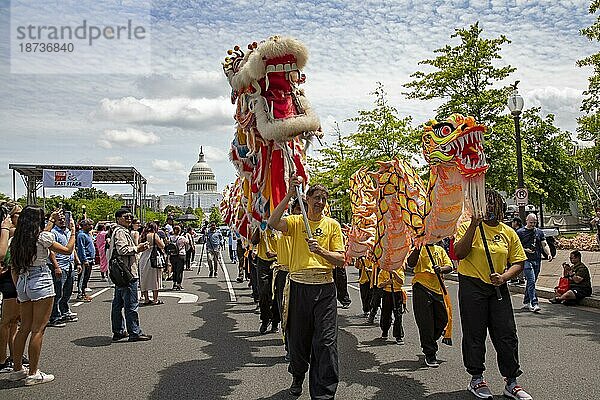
127 216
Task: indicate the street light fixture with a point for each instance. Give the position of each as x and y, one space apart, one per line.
515 105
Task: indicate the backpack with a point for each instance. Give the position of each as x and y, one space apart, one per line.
171 248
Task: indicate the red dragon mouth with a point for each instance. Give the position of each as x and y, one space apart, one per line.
467 150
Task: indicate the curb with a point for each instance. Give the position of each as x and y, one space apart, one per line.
542 292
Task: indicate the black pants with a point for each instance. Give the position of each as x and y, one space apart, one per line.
341 285
391 304
177 262
431 317
280 279
376 295
83 278
312 337
481 311
188 258
268 307
366 295
253 278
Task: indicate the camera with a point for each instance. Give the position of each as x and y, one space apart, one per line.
5 209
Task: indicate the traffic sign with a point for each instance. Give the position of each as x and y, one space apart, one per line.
521 197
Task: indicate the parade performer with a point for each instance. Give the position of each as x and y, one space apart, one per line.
266 243
483 245
429 308
364 280
393 301
280 274
312 318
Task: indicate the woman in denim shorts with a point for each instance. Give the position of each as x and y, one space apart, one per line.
10 307
29 251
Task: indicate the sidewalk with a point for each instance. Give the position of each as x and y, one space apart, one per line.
551 271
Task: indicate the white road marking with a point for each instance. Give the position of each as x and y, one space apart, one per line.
228 280
98 293
184 298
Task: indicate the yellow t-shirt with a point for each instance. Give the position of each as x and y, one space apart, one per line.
384 276
267 238
328 233
284 244
424 273
505 248
366 268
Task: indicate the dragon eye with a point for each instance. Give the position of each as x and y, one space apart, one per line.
443 129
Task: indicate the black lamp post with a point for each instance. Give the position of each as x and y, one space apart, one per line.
515 105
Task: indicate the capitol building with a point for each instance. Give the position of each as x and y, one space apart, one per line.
201 189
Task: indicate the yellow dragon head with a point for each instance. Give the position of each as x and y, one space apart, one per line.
457 140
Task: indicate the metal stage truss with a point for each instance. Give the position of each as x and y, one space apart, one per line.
31 174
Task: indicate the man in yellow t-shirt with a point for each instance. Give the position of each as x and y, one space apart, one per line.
480 308
312 315
429 308
284 244
266 242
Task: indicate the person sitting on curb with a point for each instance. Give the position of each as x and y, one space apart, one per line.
580 283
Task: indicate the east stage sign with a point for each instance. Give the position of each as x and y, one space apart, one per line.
72 178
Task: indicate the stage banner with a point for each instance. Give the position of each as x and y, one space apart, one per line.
68 178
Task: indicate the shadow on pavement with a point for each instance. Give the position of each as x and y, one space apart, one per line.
93 341
207 378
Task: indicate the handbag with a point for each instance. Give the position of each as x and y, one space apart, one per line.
563 285
156 259
119 271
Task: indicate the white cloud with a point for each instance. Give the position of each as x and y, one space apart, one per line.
178 112
114 160
200 84
166 165
129 138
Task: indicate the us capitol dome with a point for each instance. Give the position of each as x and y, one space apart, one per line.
201 186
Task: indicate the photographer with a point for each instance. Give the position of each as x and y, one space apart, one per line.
580 283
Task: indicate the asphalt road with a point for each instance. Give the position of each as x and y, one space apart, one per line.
211 349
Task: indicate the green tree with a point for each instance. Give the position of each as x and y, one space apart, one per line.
589 123
215 216
156 216
550 170
99 209
89 194
381 134
4 197
199 212
173 210
465 78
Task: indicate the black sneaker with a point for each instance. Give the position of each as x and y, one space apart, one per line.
275 328
296 388
239 280
264 326
431 361
555 300
56 324
371 319
399 340
24 361
118 336
6 366
140 338
384 334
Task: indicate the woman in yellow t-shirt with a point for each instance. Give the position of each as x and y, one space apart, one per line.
428 297
480 308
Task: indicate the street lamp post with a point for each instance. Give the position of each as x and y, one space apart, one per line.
515 105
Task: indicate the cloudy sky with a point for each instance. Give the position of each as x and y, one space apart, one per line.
156 114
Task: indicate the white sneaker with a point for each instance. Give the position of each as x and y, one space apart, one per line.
526 306
536 309
516 392
87 290
18 375
38 378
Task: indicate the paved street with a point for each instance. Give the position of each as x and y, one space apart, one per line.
211 349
